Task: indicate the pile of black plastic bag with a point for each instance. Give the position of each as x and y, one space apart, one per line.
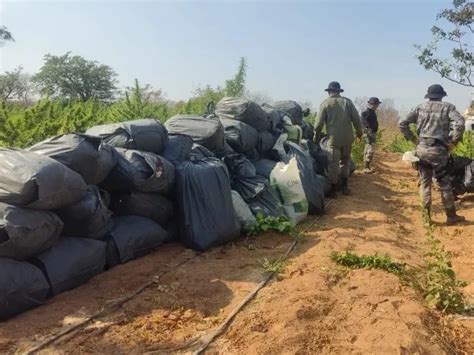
77 204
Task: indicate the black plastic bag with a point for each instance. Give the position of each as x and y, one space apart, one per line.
240 136
131 238
274 117
140 171
249 187
206 131
267 203
239 165
311 184
72 262
86 155
243 110
266 141
150 205
36 181
22 287
325 183
147 135
199 152
264 167
308 131
291 108
321 161
178 148
88 218
25 232
204 204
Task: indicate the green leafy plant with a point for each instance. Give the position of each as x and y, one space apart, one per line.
400 145
273 265
440 286
264 224
354 261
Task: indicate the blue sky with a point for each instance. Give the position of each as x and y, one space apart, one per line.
293 48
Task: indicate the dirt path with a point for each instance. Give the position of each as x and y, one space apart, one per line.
313 307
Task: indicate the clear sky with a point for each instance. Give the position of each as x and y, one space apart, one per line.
294 48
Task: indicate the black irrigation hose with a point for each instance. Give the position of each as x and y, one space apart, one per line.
105 309
206 340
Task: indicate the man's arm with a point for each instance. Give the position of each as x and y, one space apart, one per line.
404 125
356 120
456 126
319 122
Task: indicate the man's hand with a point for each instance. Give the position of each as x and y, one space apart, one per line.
451 146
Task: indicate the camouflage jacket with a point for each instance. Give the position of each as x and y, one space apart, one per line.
338 114
436 120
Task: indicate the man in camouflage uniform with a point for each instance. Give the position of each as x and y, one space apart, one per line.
370 125
440 127
339 115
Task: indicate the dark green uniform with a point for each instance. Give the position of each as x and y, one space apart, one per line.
339 115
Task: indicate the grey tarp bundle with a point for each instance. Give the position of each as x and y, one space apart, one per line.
311 184
239 165
264 167
147 135
243 110
292 108
178 148
72 262
86 155
131 238
88 218
25 232
267 203
140 171
22 286
37 181
206 131
469 178
244 214
204 204
240 136
150 205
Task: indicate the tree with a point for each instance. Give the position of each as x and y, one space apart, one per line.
5 35
456 37
236 86
15 85
140 102
76 78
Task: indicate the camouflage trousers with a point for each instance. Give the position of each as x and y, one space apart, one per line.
434 164
370 138
339 158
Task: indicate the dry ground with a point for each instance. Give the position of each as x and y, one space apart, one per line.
312 307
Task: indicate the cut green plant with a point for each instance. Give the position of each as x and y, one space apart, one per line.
273 265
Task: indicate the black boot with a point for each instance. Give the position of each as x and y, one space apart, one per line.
345 187
452 218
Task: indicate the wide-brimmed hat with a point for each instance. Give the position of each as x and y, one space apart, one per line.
334 86
435 91
374 101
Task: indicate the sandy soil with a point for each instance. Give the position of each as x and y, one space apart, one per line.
314 306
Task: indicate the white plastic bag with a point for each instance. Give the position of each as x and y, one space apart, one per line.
285 178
